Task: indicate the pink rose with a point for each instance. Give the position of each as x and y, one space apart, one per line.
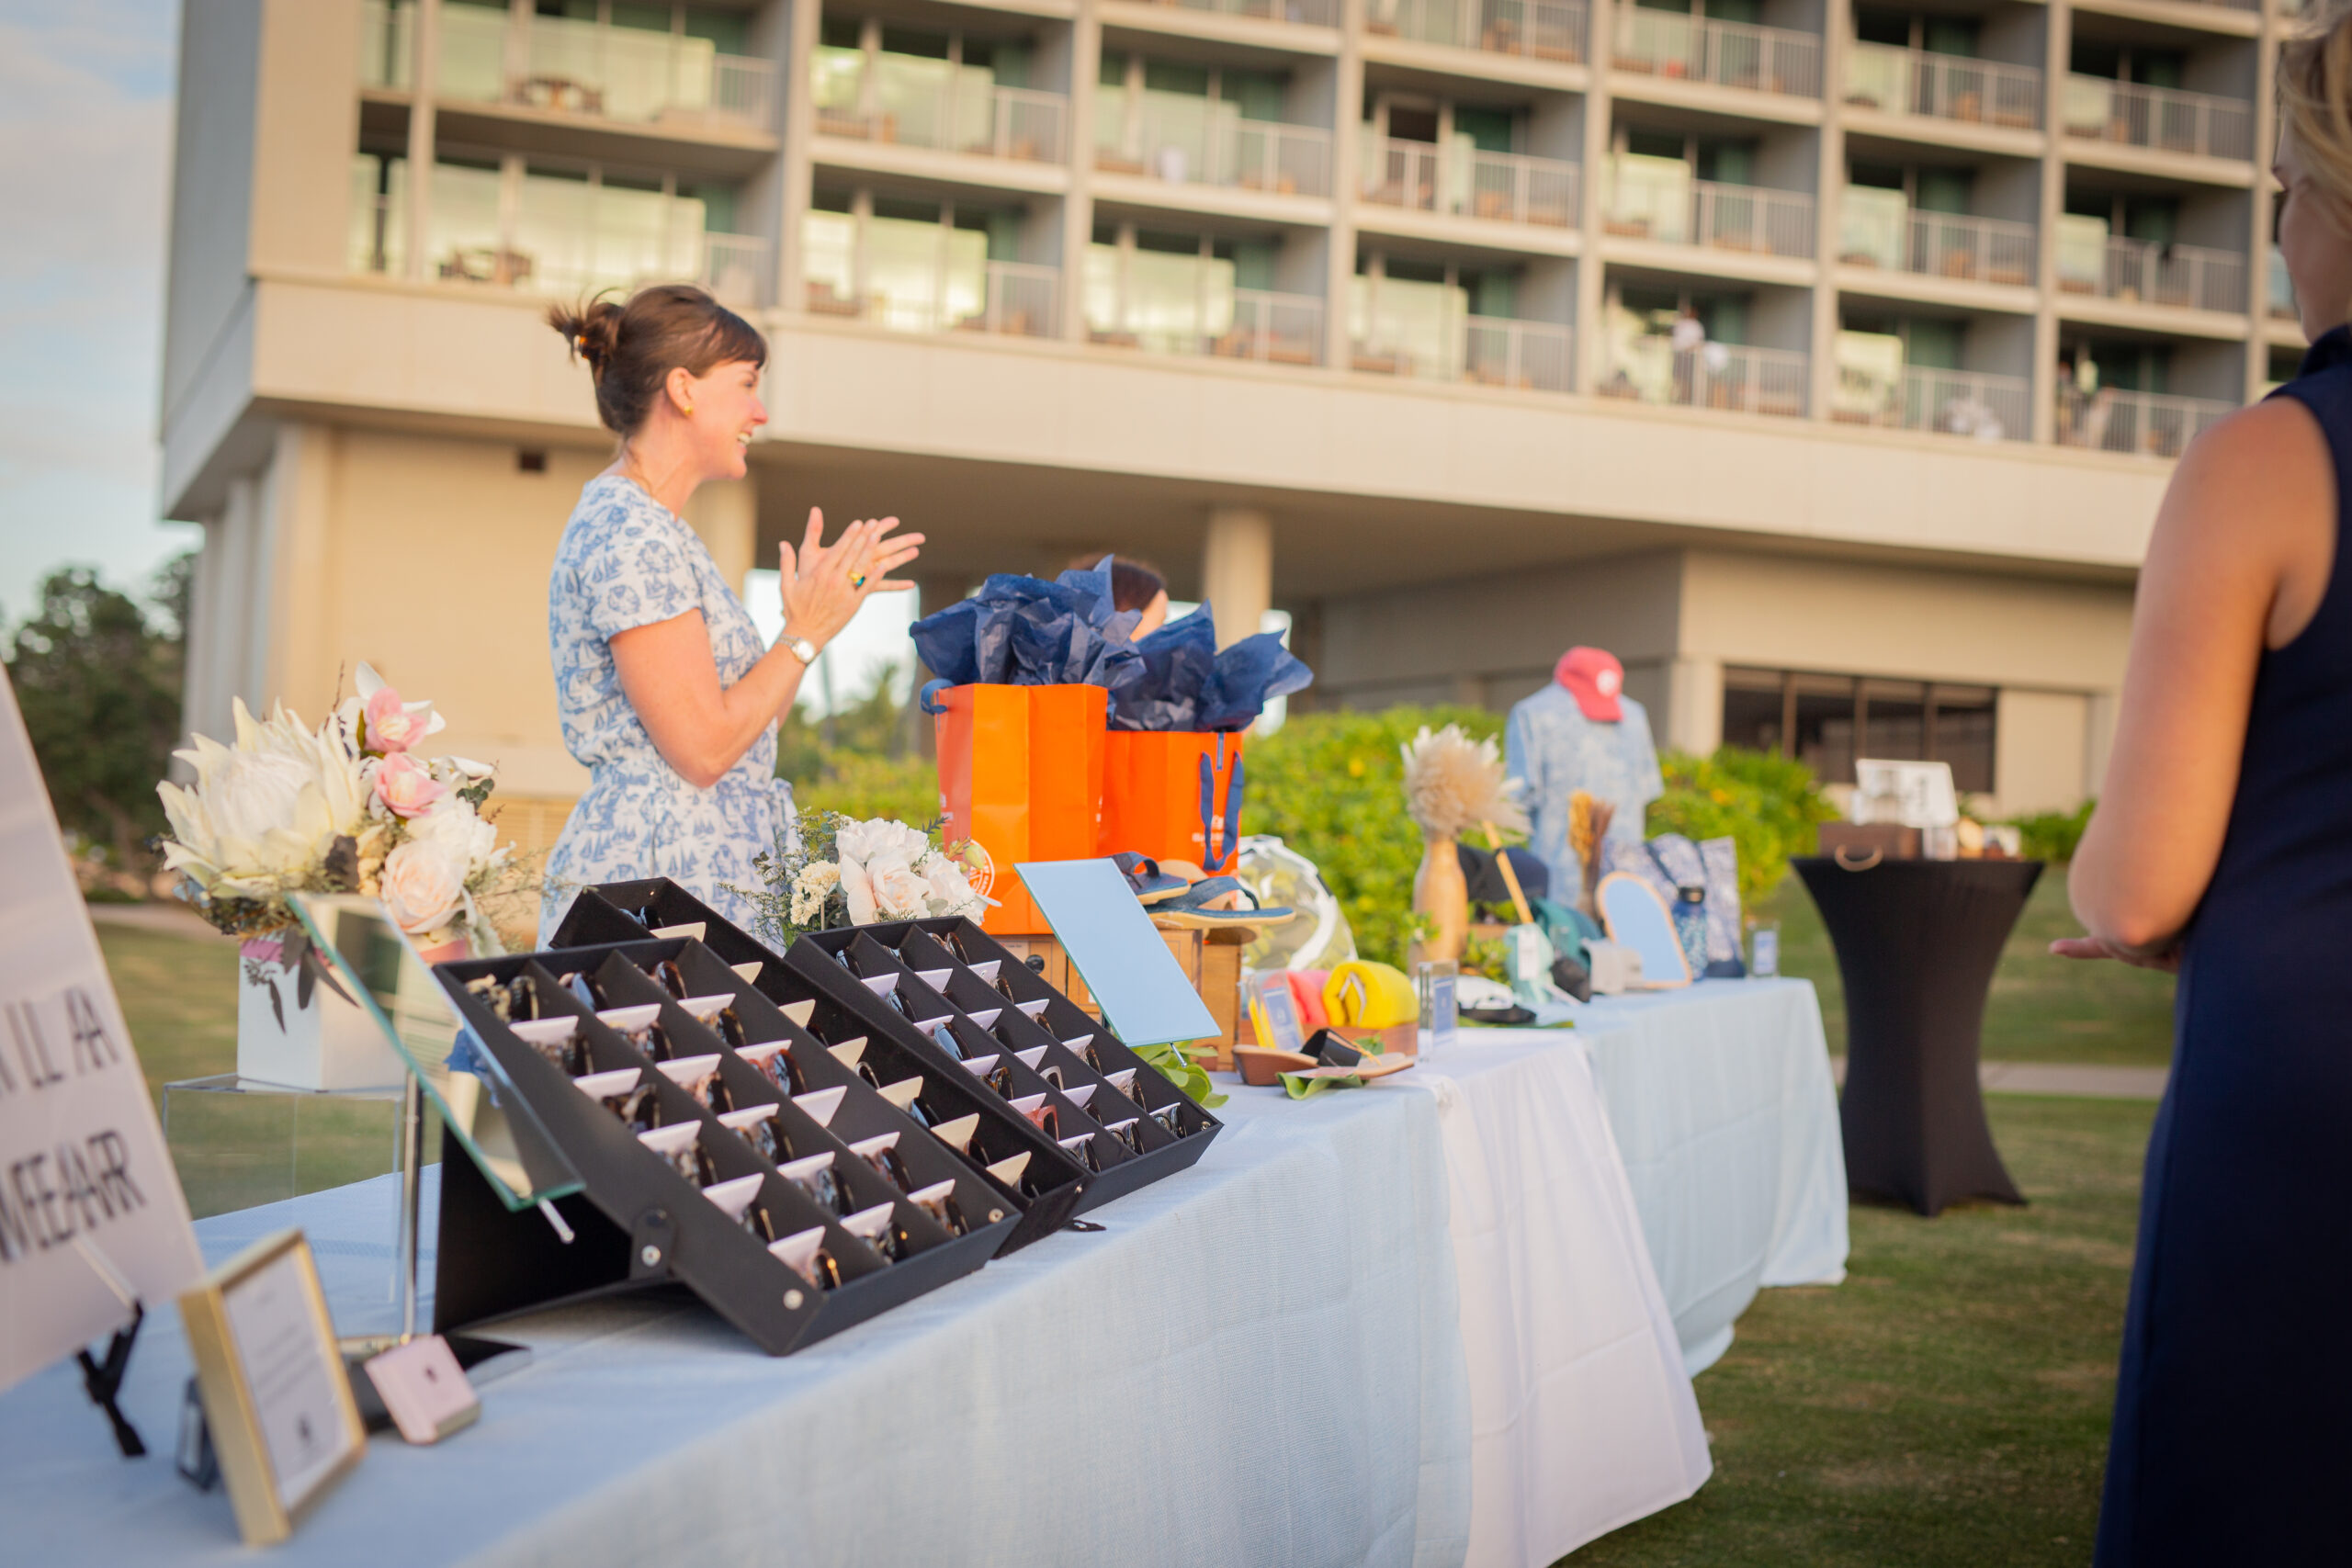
394 725
406 789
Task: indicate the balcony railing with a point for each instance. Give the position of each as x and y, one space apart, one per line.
1184 146
1942 244
1541 29
733 266
1311 13
1503 188
1943 86
1490 351
2282 290
1015 300
1726 54
2151 424
2162 117
1703 212
947 114
1277 329
1949 402
2186 276
577 67
1713 375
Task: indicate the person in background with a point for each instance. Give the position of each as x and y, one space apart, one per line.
664 689
2221 847
1133 586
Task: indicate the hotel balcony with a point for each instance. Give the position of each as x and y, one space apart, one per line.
1935 244
1484 350
1946 402
912 101
1170 302
1943 86
1186 139
1539 29
1722 55
1713 375
1307 13
2282 290
1649 198
2162 118
2192 277
569 238
633 75
2149 424
1500 187
1012 298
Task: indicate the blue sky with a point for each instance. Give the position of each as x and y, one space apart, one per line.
85 130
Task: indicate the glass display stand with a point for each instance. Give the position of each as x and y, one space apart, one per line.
239 1142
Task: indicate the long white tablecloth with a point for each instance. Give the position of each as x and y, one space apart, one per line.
1411 1324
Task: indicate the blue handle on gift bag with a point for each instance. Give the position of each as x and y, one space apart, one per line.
924 696
1232 811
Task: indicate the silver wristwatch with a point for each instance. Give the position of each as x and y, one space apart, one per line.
802 649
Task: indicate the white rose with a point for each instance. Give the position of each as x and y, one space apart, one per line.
456 825
423 884
857 888
951 888
898 891
867 842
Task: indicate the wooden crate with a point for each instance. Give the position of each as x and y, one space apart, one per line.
1211 961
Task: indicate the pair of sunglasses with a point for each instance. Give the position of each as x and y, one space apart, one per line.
673 979
509 1001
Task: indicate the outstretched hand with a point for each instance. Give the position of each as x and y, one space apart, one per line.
2166 958
824 585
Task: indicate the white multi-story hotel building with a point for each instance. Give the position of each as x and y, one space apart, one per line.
1824 359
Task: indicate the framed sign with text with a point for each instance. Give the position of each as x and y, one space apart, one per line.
91 1215
285 1424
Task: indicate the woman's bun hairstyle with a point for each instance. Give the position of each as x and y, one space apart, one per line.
631 348
2315 101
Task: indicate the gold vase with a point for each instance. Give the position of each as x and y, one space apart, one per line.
1441 893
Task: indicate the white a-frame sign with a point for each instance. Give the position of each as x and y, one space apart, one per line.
90 1208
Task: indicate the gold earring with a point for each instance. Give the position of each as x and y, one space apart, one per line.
690 410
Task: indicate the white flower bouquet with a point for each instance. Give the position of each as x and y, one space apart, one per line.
348 807
837 871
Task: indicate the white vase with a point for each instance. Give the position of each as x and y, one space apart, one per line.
325 1044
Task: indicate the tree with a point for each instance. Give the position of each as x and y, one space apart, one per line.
99 686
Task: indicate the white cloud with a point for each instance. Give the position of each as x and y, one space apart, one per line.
86 126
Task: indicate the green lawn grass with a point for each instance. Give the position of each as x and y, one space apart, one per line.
1948 1404
179 996
2042 1008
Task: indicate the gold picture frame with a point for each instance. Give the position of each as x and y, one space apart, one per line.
285 1424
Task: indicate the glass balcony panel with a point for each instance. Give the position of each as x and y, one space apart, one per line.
464 241
2082 253
387 44
1869 386
1649 198
1871 225
1402 327
828 263
473 51
2164 118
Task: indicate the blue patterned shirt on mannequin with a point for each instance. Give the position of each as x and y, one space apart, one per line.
1582 733
625 561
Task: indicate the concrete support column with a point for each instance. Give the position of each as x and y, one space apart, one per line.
424 78
300 656
1694 705
2043 383
800 54
200 669
1347 186
726 517
1837 33
1077 230
1237 570
1590 346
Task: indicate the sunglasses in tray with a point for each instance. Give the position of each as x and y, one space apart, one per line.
725 1146
952 993
1049 1030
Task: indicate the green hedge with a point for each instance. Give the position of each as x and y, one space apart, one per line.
1767 804
1332 785
905 788
2053 835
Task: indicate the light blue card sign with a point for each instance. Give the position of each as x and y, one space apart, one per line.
1140 987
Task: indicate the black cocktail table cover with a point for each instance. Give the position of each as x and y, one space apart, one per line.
1917 940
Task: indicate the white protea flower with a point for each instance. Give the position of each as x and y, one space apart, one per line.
262 814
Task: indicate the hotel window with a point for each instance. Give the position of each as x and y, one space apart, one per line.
1826 721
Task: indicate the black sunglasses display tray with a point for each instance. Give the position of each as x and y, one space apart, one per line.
949 992
728 1147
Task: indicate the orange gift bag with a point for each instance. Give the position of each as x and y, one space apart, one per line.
1172 794
1021 776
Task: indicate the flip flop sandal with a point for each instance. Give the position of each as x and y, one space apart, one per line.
1187 912
1144 875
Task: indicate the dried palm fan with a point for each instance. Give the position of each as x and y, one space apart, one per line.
1452 784
1589 822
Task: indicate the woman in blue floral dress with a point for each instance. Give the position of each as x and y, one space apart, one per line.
665 693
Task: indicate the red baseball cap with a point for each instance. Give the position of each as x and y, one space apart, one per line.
1593 677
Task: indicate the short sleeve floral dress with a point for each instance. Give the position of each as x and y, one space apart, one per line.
624 561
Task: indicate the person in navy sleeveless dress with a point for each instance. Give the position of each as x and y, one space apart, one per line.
2223 846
